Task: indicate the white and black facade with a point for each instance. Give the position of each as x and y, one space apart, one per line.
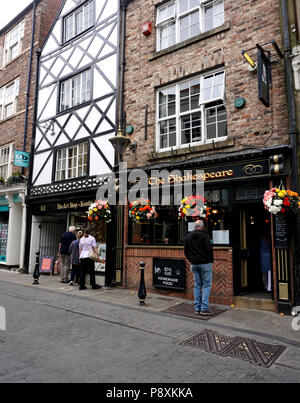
76 115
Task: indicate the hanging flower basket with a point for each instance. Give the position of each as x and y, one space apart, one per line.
142 211
99 210
281 201
193 208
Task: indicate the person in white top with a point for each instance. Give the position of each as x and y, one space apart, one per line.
86 245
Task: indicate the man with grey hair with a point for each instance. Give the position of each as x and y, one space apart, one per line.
199 251
65 260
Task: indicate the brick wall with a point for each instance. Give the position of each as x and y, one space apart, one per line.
12 128
248 23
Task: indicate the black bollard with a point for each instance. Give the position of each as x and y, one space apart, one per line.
142 294
36 273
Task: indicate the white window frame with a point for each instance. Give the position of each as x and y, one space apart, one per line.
79 170
177 18
6 160
7 100
86 22
13 39
202 108
75 90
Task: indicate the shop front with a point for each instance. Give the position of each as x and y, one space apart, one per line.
51 217
240 228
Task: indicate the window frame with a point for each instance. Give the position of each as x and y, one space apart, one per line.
73 15
8 46
66 169
203 107
71 80
9 162
4 103
177 18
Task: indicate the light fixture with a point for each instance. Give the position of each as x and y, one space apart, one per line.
252 220
249 60
120 143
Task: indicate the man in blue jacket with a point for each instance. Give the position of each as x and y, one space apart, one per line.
198 250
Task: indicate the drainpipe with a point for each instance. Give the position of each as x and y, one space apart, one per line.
29 77
293 138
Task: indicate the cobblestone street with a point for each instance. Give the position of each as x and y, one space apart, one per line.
59 335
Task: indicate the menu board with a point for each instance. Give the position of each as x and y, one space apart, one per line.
46 265
281 232
169 274
100 266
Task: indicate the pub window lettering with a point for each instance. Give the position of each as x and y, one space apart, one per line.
192 112
180 20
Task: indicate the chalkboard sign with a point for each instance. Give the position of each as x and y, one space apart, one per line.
169 274
281 232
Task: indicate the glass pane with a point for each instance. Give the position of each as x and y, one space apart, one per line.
183 6
171 109
211 132
222 129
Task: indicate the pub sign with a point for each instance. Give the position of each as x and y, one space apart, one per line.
169 274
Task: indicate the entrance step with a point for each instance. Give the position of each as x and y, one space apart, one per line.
255 303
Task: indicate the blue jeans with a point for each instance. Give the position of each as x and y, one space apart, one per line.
202 285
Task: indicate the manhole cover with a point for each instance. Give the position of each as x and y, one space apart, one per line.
237 347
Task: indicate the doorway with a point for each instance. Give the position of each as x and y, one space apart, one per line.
252 252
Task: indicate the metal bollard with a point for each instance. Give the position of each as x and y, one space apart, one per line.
142 294
36 273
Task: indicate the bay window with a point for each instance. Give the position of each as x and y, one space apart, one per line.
192 112
180 20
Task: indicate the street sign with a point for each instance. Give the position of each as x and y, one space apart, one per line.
21 159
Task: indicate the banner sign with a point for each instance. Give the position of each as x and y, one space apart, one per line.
21 159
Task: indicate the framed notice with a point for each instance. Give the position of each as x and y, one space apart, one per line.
101 266
221 237
169 274
46 265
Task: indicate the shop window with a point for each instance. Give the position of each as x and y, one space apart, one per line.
3 235
72 162
75 91
217 224
180 20
80 20
13 43
192 112
9 95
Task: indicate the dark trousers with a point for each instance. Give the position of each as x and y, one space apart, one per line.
87 266
75 275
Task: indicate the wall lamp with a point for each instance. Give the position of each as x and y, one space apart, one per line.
120 143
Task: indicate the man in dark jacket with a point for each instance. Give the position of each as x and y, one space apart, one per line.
199 251
66 240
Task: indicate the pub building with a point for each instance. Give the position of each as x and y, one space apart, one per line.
234 186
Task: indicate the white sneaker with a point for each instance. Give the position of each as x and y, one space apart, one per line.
71 282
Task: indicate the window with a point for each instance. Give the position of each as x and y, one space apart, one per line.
180 20
6 161
80 20
75 91
9 99
192 112
13 43
72 162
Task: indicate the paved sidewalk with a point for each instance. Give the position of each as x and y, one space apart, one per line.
250 322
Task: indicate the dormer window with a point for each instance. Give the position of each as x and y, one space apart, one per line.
79 20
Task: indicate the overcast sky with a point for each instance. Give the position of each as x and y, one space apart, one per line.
11 8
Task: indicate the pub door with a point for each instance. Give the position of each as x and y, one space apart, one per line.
252 250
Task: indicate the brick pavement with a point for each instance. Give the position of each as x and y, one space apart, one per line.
57 335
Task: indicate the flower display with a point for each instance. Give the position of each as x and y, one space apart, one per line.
99 210
142 211
281 201
194 207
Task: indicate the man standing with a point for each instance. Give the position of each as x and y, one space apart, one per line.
199 251
65 260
